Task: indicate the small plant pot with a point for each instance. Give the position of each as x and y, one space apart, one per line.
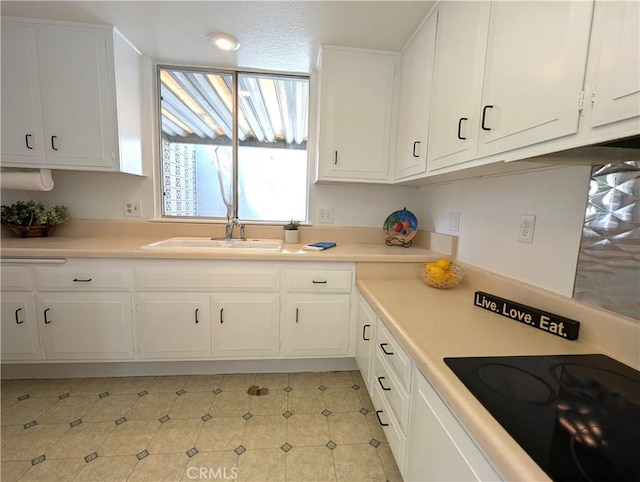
291 236
38 231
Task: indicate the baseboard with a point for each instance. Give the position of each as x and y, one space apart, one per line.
159 368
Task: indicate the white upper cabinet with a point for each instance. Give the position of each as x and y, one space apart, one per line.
457 83
416 76
613 74
357 90
71 96
534 73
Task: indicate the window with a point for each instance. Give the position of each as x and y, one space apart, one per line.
234 144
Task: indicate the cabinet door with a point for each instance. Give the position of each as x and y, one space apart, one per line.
457 83
22 140
315 325
86 326
74 74
356 111
245 324
19 327
174 325
438 447
366 322
534 73
615 57
415 101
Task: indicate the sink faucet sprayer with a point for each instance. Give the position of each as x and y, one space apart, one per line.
231 223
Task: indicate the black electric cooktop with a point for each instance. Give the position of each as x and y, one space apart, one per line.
577 416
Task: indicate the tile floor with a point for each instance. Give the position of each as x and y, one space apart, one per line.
309 427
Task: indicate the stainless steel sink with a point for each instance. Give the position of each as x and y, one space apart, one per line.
200 244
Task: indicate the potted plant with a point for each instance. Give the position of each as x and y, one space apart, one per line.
291 232
30 218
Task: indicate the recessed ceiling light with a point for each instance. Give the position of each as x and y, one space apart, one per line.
223 41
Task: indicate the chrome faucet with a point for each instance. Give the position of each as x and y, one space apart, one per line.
228 231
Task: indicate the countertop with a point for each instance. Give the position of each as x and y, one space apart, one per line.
130 247
432 324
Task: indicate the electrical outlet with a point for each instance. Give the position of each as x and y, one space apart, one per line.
527 227
133 209
454 221
325 215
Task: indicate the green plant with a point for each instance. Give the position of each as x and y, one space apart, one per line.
33 213
291 225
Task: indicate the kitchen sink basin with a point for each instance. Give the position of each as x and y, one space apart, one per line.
200 244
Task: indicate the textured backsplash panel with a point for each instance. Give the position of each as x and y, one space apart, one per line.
608 273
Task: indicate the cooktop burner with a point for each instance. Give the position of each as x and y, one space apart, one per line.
577 416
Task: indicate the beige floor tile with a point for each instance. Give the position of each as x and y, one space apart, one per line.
68 409
212 466
107 469
56 387
27 410
168 384
33 442
238 381
131 385
349 428
81 440
377 432
12 470
54 471
310 464
192 405
176 436
160 468
357 462
152 406
129 438
94 386
261 465
306 400
365 399
307 429
389 463
272 381
304 380
275 402
265 432
357 378
230 404
5 403
17 388
203 383
223 433
336 379
342 399
110 408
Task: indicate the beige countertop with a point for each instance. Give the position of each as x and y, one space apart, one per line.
432 324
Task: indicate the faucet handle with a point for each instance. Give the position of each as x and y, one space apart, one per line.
242 235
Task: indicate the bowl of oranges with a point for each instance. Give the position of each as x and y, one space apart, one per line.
441 274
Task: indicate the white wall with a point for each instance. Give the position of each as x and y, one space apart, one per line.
490 210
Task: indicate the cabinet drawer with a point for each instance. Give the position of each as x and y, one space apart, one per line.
395 436
390 388
318 281
16 279
391 351
83 279
186 279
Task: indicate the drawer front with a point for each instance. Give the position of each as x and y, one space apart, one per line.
83 279
318 281
207 280
16 279
391 351
390 388
395 436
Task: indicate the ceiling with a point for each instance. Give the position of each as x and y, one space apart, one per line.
274 36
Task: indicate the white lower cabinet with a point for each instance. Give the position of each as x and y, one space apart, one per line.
86 326
438 447
364 338
19 327
245 324
174 325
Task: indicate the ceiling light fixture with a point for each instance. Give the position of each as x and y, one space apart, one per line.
223 41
